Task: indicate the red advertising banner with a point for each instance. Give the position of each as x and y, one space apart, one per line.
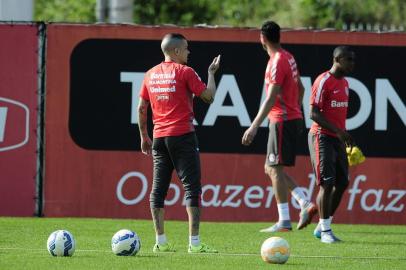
94 168
18 119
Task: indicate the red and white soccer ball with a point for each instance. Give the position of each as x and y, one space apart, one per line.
275 250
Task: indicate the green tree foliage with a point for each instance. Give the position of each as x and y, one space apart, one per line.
65 10
241 13
336 13
179 12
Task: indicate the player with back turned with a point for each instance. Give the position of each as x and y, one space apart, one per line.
169 88
283 108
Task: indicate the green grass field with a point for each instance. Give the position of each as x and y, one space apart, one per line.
23 246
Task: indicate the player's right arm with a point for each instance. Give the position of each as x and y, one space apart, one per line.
251 132
208 94
146 143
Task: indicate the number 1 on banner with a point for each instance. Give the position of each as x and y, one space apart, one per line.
3 116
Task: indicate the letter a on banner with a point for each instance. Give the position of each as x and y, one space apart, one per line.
227 85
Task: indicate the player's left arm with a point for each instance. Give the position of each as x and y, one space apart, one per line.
266 106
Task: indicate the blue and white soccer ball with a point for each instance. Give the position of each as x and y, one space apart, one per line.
61 243
125 243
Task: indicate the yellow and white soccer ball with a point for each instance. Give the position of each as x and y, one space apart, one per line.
275 250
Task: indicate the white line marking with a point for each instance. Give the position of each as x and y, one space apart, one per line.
233 254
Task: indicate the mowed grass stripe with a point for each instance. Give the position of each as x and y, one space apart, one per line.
222 254
369 247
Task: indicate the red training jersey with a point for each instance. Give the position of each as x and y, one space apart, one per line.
170 87
282 70
330 95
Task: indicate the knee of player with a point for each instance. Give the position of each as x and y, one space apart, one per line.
274 171
157 199
193 190
193 201
328 185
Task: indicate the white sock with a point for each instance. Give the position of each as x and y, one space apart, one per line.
283 211
160 239
299 196
194 240
325 224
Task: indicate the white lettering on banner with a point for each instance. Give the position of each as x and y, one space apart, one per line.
265 123
175 198
269 197
385 93
135 78
365 104
376 206
354 190
235 190
227 85
24 130
3 117
257 196
214 201
307 84
376 196
123 180
308 192
253 192
391 206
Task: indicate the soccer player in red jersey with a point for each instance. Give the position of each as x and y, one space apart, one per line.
328 138
169 88
283 108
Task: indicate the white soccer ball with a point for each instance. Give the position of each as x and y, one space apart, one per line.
275 250
125 243
61 243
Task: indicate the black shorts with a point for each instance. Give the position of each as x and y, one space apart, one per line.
282 142
329 159
182 154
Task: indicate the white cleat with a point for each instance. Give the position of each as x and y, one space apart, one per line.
281 226
328 237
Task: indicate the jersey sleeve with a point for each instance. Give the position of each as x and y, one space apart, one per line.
144 91
193 81
277 71
317 96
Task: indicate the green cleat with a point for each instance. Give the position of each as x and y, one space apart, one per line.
202 248
163 248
